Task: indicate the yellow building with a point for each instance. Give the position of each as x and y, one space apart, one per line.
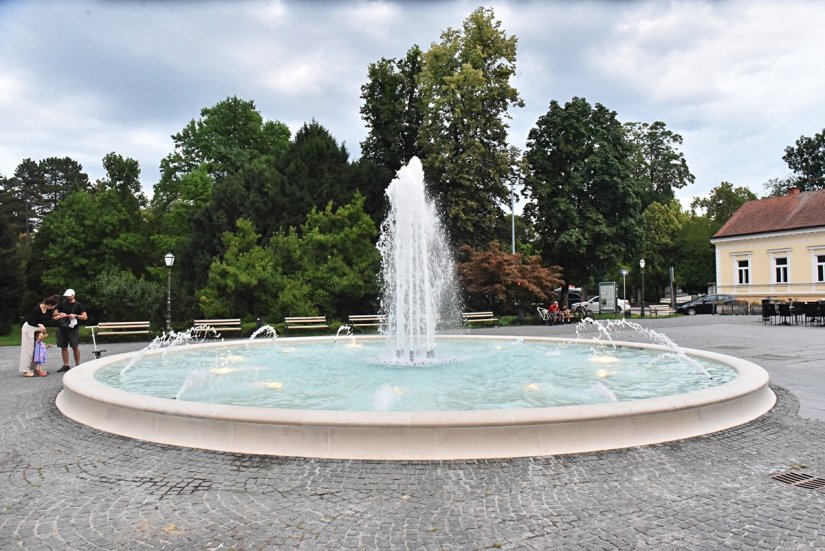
774 248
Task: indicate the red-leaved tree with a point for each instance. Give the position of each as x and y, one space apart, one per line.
503 282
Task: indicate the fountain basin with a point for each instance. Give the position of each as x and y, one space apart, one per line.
430 435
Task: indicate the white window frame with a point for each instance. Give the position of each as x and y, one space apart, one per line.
780 270
736 258
817 267
776 254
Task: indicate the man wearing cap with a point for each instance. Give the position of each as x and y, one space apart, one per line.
68 313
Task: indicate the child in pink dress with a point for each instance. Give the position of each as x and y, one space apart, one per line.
39 359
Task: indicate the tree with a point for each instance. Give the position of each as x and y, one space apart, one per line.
392 111
10 275
503 282
695 264
659 166
722 202
89 232
38 187
465 87
585 203
807 160
662 223
228 136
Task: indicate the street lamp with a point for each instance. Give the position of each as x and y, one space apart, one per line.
624 272
642 266
169 259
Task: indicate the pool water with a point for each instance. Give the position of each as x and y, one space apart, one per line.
466 374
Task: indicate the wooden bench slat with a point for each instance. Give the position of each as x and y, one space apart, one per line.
479 317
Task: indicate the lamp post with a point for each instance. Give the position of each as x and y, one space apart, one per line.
512 219
642 266
624 272
169 259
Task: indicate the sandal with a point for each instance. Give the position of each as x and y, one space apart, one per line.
40 372
28 373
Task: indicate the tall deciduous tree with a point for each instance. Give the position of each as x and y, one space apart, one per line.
658 164
585 200
392 110
695 264
722 202
466 90
807 159
228 136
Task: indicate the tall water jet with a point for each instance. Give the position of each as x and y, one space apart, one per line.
416 267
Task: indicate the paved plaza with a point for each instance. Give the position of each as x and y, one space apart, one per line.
65 486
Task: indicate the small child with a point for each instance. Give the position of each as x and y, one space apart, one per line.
39 359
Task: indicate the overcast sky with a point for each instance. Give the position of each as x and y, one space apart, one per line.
739 81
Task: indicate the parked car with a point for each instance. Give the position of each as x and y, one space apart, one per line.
574 296
593 307
704 304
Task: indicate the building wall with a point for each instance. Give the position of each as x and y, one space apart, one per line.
802 249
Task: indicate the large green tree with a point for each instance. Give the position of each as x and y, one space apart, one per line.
392 110
722 202
695 263
585 202
662 224
658 165
807 159
466 90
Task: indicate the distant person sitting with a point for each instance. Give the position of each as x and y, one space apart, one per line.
566 315
553 311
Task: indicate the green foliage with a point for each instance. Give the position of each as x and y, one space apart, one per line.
585 201
663 224
227 137
465 84
722 202
241 282
36 189
329 268
695 263
504 282
392 110
89 232
807 160
10 275
119 295
659 166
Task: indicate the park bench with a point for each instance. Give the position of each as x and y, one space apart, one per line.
216 326
367 320
106 328
305 322
479 317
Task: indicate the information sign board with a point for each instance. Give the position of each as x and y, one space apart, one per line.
607 296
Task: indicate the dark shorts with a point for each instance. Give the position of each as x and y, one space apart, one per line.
67 338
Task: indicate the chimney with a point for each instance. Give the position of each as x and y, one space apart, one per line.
793 191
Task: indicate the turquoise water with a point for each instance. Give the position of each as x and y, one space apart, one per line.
358 375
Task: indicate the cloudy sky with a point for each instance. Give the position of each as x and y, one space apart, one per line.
738 80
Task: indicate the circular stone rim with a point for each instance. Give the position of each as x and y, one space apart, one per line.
426 435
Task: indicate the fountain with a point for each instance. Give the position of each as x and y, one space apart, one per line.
411 394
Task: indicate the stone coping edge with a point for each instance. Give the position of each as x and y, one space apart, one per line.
418 435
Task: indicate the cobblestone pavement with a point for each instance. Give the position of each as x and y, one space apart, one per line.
65 486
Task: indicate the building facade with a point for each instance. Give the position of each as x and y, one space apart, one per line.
774 248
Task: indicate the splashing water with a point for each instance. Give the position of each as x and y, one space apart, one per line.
385 395
345 329
601 389
265 331
165 341
416 268
605 327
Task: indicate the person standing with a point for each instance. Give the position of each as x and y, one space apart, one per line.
39 355
68 313
35 321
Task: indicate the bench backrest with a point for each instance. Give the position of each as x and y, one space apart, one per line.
232 321
306 319
109 325
472 315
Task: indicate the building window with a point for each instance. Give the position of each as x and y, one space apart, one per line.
820 268
780 269
743 272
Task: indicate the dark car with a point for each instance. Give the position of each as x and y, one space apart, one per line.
704 304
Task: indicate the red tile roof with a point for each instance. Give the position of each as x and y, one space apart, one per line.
789 212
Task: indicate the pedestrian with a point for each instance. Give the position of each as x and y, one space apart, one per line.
35 321
40 354
68 312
